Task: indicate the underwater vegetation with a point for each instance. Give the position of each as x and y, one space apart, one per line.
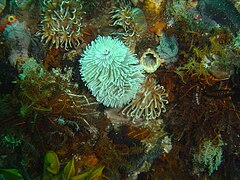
209 157
111 71
50 93
195 69
236 41
52 169
38 87
215 58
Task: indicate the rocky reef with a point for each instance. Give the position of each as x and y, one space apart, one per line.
119 89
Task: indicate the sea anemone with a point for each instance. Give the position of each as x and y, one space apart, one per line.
131 21
111 71
149 102
61 23
150 61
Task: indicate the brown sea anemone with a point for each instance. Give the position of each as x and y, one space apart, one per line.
149 102
61 23
130 21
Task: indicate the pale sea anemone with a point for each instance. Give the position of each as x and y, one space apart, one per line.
149 102
150 61
111 71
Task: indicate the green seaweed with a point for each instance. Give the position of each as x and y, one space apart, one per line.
51 166
69 170
94 174
194 68
12 174
209 157
52 170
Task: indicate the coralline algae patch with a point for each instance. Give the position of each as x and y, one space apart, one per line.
61 23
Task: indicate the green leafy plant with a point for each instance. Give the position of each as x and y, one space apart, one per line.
208 158
53 171
12 174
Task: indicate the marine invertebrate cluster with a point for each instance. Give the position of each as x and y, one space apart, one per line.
131 20
149 102
168 49
43 107
19 38
111 71
61 23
